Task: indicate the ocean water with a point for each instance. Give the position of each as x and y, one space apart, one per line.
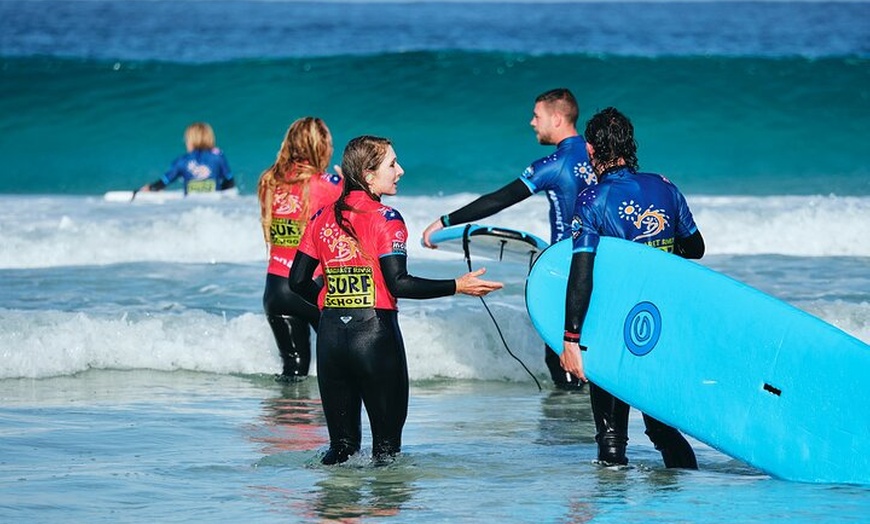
136 372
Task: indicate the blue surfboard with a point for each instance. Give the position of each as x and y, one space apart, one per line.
496 243
735 368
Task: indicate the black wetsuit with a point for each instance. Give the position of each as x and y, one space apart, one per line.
288 314
289 317
360 351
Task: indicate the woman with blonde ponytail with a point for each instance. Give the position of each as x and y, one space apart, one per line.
289 191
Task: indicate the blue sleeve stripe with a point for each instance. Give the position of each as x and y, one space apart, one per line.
529 184
584 249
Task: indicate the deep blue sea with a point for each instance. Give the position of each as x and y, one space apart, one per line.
136 364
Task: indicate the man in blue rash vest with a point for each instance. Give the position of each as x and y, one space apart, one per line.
641 207
204 168
561 175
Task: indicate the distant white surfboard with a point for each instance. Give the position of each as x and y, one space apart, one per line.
158 197
737 369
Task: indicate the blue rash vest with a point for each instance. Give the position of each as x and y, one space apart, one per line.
641 207
562 175
203 171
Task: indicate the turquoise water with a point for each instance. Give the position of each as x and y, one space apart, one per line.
136 377
727 97
460 120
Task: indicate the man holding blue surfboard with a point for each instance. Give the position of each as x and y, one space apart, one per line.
641 207
561 175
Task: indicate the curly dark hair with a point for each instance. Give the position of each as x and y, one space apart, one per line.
611 134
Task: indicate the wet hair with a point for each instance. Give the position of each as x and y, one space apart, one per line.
361 155
200 136
562 101
611 134
304 153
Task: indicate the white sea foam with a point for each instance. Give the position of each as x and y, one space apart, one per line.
65 231
64 307
55 343
438 341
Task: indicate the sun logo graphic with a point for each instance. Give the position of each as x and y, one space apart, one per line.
340 243
650 222
584 170
286 204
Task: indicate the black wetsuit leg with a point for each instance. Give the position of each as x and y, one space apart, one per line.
290 316
675 449
611 426
361 358
561 378
385 387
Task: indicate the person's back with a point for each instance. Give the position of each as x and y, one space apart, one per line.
289 191
636 206
203 168
292 206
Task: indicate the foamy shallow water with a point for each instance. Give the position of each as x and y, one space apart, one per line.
137 446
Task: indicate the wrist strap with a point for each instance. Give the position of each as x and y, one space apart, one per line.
571 337
445 220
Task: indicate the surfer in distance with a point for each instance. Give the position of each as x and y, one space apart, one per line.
641 207
203 168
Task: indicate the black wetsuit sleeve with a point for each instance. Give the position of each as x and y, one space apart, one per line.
403 285
690 247
579 291
490 203
157 186
300 277
228 184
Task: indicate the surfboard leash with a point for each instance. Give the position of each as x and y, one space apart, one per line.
467 253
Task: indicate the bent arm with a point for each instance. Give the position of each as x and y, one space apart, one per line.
690 247
300 277
403 285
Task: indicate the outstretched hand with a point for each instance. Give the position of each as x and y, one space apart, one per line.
433 227
470 284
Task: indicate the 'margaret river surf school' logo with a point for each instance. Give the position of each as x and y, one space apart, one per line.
642 328
349 287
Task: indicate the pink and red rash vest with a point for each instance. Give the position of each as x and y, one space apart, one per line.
288 206
352 270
